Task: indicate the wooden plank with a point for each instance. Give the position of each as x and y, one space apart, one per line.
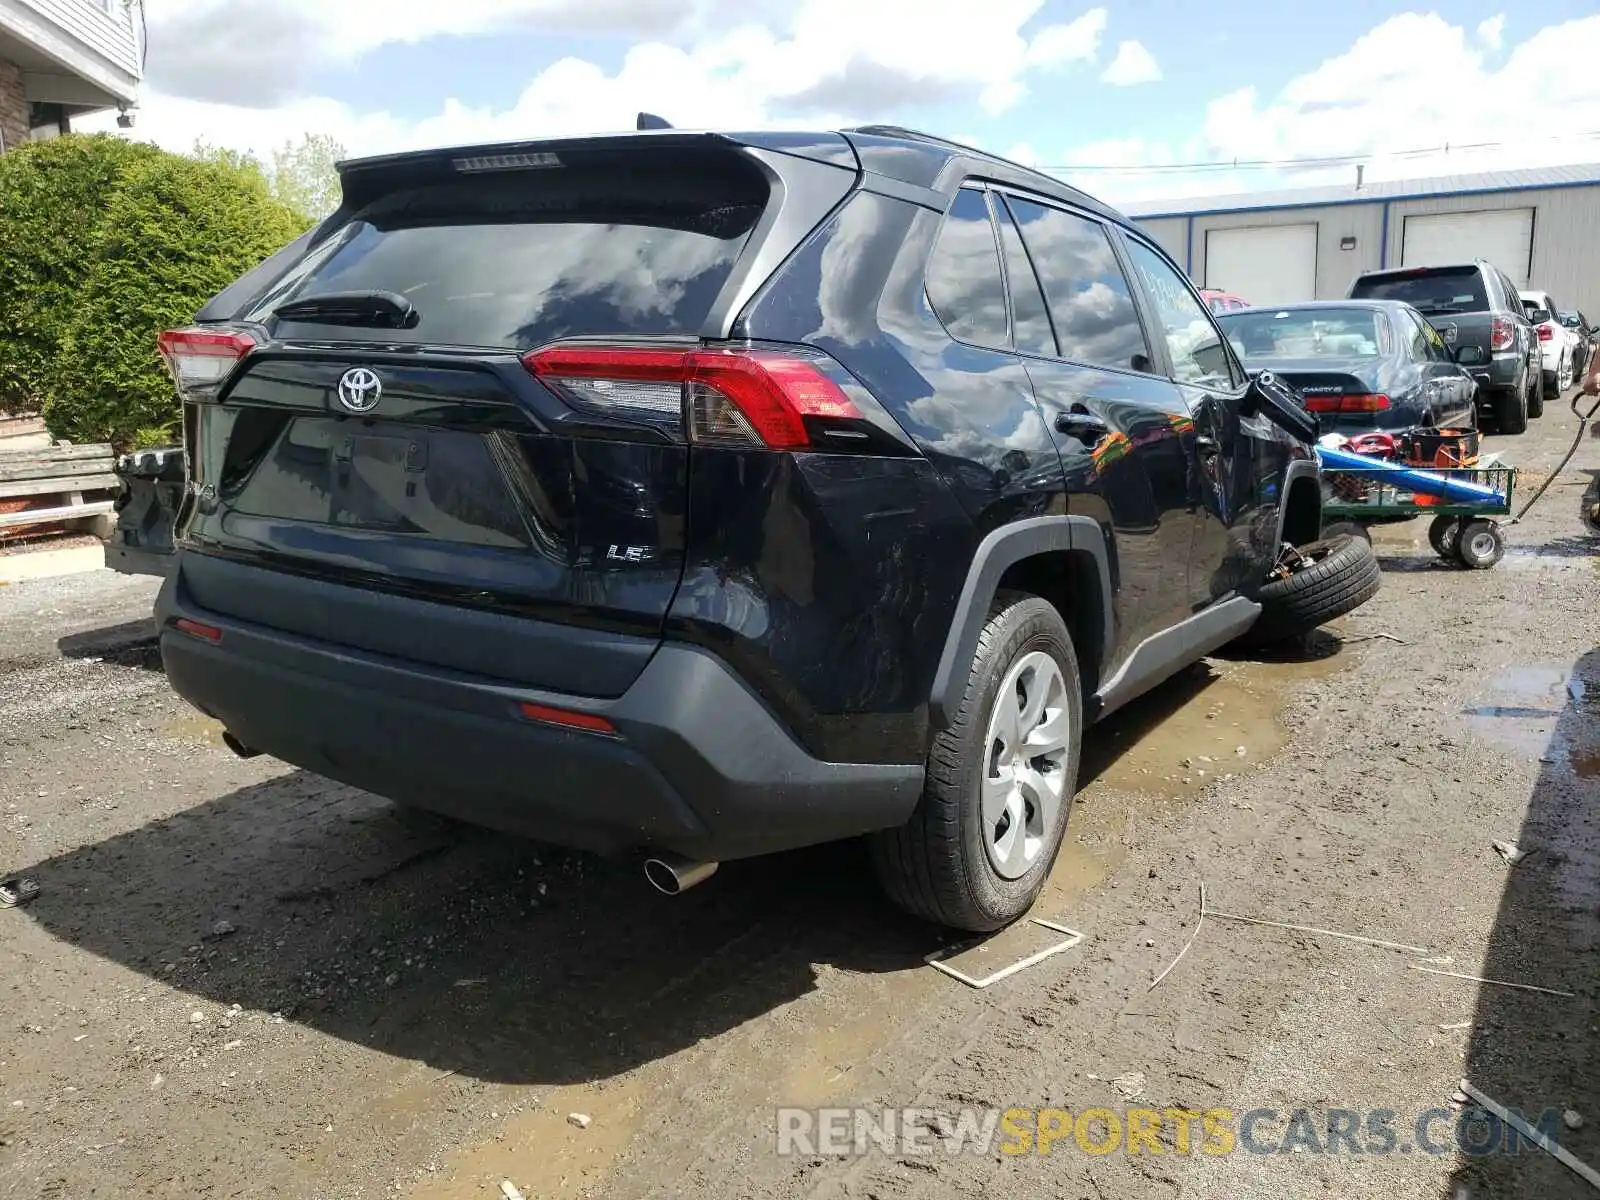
41 516
60 483
56 454
55 470
18 427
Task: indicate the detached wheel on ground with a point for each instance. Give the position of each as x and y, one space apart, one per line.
1319 582
1001 779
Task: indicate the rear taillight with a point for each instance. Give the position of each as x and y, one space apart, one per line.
1502 333
1546 333
201 357
731 397
1354 403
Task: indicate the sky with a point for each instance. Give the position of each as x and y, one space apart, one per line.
1131 100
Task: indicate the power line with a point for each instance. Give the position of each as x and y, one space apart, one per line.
1331 160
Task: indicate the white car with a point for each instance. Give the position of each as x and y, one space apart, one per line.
1558 345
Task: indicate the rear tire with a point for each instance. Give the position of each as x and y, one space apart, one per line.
1511 410
978 849
1342 575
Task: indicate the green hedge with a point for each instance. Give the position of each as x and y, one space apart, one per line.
53 198
118 242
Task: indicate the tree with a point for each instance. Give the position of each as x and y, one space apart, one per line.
176 231
304 175
242 161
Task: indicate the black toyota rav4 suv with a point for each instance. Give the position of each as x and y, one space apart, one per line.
697 496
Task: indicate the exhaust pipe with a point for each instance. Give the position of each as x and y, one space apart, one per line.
238 747
672 874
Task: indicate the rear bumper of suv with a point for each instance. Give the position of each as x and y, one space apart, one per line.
697 765
1500 374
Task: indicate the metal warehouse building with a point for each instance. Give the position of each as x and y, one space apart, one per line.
1541 227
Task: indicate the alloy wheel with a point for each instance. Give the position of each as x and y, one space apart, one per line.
1024 775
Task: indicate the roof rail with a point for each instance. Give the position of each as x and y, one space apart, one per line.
917 135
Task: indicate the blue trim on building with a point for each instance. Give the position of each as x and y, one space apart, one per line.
1293 204
1383 238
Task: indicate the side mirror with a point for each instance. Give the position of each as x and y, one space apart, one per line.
1469 356
1280 404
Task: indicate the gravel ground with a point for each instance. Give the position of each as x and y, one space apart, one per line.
243 980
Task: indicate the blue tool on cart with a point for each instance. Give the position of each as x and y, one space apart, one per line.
1360 490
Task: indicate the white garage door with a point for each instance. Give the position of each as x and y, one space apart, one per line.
1266 264
1503 236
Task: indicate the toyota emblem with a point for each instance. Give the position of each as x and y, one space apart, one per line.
360 389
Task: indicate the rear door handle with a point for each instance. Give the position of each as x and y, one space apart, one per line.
1084 426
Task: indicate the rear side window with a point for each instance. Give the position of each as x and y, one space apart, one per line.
1030 321
1090 302
1199 355
1431 292
964 282
519 258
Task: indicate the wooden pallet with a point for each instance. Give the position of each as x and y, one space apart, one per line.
49 487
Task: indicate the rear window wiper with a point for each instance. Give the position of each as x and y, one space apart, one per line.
377 308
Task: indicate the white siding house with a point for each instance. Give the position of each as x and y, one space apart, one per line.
1540 226
59 58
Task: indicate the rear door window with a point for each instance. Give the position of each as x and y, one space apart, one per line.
516 259
965 286
1091 304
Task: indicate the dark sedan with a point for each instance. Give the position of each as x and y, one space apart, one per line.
1360 365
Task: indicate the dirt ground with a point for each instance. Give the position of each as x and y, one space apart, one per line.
242 980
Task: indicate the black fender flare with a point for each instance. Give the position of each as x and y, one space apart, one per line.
1300 468
1000 550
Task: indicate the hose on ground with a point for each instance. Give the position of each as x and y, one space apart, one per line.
1583 424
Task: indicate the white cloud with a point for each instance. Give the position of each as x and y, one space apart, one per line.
1492 33
221 74
1133 64
1419 66
1056 45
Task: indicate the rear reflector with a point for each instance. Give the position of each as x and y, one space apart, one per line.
588 722
206 633
1347 404
728 397
197 357
1502 333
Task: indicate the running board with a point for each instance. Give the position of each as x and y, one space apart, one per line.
1163 654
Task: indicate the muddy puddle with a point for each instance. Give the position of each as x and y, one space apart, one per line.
1211 722
1522 708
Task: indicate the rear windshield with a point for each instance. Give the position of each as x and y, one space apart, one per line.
1446 290
1307 333
519 258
